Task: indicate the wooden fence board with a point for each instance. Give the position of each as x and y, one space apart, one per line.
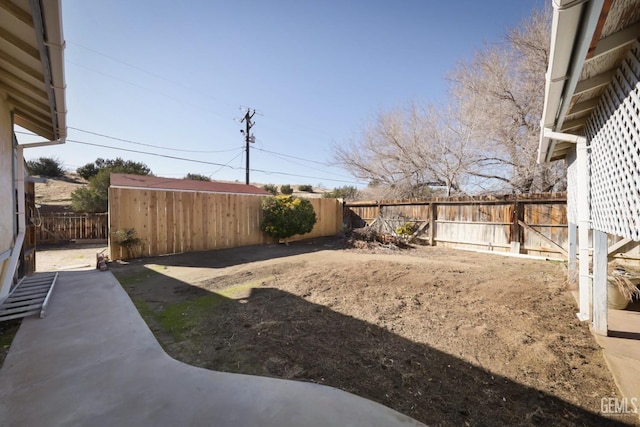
172 222
477 222
56 228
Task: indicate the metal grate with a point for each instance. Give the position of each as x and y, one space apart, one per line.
614 133
29 297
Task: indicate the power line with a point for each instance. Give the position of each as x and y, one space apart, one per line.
158 76
293 157
211 163
147 153
227 164
150 145
173 98
278 156
304 176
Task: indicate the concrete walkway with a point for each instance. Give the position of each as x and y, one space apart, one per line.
93 361
622 351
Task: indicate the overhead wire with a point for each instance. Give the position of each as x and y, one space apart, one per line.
276 154
150 145
209 163
166 156
155 75
227 164
143 70
281 157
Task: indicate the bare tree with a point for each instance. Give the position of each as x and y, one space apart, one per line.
484 139
409 151
500 94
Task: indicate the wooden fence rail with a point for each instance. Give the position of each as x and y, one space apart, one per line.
56 228
170 222
528 224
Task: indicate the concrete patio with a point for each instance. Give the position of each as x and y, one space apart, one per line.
622 351
93 361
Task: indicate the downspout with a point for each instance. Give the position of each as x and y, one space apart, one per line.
585 283
17 246
572 20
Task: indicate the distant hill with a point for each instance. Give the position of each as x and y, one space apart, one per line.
55 195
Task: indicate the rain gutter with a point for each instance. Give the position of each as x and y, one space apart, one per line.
574 23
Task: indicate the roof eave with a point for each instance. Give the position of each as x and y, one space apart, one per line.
573 26
47 20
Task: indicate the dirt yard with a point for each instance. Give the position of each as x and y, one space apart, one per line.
447 337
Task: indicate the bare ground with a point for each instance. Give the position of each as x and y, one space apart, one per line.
447 337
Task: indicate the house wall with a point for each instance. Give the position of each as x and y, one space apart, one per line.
7 218
613 131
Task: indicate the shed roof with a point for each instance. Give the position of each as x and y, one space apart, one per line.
32 65
171 184
589 40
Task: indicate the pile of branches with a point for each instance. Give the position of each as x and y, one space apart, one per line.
370 238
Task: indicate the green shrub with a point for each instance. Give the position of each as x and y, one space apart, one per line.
127 238
286 216
270 188
347 192
305 187
407 229
49 167
95 196
197 177
118 165
286 189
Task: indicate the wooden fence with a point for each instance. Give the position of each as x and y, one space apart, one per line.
63 227
528 224
170 222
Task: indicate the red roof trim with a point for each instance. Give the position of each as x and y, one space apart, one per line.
172 184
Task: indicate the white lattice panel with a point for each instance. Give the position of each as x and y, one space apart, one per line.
614 134
572 187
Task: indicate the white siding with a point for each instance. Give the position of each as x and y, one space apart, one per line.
6 183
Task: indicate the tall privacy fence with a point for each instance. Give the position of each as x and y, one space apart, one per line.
533 224
168 222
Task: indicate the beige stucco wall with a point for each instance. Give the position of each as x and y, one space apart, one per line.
6 182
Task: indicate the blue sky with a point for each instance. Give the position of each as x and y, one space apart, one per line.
178 75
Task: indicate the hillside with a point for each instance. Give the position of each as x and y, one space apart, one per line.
55 194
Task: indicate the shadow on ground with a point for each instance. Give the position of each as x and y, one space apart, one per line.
222 258
269 332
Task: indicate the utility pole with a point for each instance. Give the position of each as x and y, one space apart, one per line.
247 136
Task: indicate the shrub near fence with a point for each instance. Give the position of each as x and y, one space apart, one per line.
56 228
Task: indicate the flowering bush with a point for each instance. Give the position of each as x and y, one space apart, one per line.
286 216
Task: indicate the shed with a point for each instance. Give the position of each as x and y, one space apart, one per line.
120 180
591 121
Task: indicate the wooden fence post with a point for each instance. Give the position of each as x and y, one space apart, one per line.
433 216
516 232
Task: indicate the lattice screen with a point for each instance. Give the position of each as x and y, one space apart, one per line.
572 187
614 134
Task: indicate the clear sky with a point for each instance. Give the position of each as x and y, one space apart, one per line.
181 74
